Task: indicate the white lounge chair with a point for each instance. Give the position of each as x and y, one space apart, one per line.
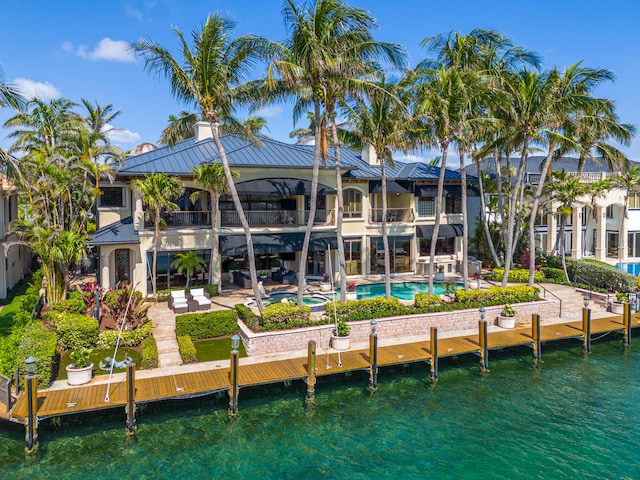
178 301
198 299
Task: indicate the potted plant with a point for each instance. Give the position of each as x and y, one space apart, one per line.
617 306
340 339
325 284
275 264
233 266
263 274
507 317
439 274
475 280
81 370
351 293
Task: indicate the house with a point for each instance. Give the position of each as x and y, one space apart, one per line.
594 229
274 184
17 259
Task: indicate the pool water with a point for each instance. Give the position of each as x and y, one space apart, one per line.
316 302
401 290
632 268
575 416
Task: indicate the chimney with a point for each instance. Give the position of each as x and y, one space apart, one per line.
203 131
369 155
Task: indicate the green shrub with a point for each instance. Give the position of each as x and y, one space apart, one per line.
597 274
518 275
497 295
551 273
424 299
75 331
187 349
365 309
149 356
74 304
36 283
40 343
29 303
129 338
285 313
211 289
250 319
207 324
163 295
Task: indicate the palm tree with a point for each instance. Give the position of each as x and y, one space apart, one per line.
211 176
183 126
189 262
627 181
207 75
157 190
10 95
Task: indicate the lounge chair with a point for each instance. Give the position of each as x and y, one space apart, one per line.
178 301
289 278
198 300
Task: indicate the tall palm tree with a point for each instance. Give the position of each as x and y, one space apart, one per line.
189 262
207 74
211 176
10 95
157 191
183 126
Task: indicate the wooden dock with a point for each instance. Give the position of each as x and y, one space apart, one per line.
186 385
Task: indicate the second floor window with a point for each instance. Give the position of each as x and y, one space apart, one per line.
453 205
352 203
634 200
610 211
112 197
426 207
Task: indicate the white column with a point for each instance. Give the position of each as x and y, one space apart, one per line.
624 237
552 229
576 237
105 280
138 214
601 230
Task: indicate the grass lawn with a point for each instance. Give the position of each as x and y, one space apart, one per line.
96 356
14 303
216 349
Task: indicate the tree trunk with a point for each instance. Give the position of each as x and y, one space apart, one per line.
243 219
385 236
465 227
485 220
213 257
436 226
340 211
154 262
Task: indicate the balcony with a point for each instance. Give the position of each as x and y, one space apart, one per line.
271 218
585 177
180 219
394 215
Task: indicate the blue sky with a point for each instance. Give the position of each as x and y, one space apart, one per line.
75 49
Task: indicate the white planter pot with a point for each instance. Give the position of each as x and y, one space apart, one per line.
439 277
79 376
325 286
475 284
352 295
506 322
340 343
230 273
617 308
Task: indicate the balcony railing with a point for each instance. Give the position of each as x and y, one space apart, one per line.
180 219
585 177
265 218
394 215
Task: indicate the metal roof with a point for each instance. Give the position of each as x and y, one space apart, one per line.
117 233
180 159
570 164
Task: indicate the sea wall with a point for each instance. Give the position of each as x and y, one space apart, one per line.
390 327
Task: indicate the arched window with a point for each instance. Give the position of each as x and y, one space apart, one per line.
352 203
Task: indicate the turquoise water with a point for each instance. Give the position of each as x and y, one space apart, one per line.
316 302
632 268
572 417
401 290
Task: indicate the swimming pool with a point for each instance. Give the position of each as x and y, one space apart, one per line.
315 301
632 268
401 290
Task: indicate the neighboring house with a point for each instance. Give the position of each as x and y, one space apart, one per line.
17 259
274 184
593 229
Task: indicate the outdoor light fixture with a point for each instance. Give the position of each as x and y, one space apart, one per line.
586 301
374 325
482 313
31 365
235 342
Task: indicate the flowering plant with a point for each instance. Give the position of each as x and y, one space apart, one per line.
325 278
351 287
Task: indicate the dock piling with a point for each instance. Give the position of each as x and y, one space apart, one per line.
433 371
131 399
586 326
31 438
373 357
484 347
311 371
233 377
535 335
626 321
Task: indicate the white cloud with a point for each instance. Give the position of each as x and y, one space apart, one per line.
41 90
121 135
106 49
269 112
131 11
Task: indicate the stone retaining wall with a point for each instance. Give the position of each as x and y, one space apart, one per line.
390 327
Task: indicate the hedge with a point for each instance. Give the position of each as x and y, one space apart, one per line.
207 324
497 295
129 338
424 299
187 349
149 356
74 304
75 331
285 313
364 309
40 343
551 273
518 275
598 274
250 319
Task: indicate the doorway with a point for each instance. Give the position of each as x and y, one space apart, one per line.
123 268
